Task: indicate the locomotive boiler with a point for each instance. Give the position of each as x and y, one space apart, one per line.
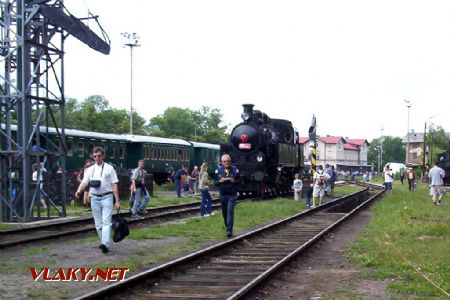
266 152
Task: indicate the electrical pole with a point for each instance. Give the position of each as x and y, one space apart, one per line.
132 40
408 105
381 149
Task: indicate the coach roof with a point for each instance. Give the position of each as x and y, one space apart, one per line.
205 145
155 140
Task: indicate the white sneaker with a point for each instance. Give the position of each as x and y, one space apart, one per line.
206 215
213 213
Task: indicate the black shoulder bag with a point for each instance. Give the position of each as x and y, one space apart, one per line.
120 228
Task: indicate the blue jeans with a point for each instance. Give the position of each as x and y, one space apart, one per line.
140 204
178 187
102 211
205 207
227 203
308 201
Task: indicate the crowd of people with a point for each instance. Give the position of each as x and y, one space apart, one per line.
98 188
435 179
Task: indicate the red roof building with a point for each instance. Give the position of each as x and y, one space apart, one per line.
343 153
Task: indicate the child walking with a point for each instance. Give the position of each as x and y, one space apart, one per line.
298 185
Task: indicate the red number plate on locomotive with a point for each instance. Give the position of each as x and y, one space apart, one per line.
245 146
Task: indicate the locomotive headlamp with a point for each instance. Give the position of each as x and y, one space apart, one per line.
245 116
259 158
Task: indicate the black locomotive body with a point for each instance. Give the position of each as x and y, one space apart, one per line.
265 151
444 163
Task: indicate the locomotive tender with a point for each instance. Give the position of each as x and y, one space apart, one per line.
266 152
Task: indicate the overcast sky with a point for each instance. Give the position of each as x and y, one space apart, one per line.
351 63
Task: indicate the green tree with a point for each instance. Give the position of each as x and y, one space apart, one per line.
208 128
393 150
95 114
202 125
438 141
175 122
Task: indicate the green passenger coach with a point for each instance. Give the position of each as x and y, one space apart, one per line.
162 155
205 152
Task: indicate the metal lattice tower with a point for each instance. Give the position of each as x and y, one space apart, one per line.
32 100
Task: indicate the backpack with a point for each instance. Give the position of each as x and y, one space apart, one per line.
321 181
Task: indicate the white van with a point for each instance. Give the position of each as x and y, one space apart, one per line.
396 167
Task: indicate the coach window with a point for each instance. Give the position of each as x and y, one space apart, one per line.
109 151
185 155
69 147
113 151
91 147
121 151
80 149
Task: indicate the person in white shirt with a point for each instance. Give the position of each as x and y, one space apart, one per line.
102 180
436 177
319 179
40 184
298 186
388 179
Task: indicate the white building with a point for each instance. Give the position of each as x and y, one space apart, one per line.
342 153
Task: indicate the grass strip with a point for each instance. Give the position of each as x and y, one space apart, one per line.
407 230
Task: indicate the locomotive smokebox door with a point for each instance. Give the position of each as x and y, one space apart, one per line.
258 176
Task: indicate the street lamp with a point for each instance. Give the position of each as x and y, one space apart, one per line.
381 149
425 148
131 40
408 105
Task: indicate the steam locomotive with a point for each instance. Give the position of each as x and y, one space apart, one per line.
266 152
444 163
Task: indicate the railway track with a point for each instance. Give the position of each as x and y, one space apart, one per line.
9 238
232 268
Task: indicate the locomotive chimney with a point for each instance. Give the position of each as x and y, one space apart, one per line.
248 108
248 111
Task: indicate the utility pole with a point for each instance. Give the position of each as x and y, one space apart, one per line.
425 148
132 40
408 105
381 148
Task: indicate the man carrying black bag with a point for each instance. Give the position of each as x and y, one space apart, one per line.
102 181
120 228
